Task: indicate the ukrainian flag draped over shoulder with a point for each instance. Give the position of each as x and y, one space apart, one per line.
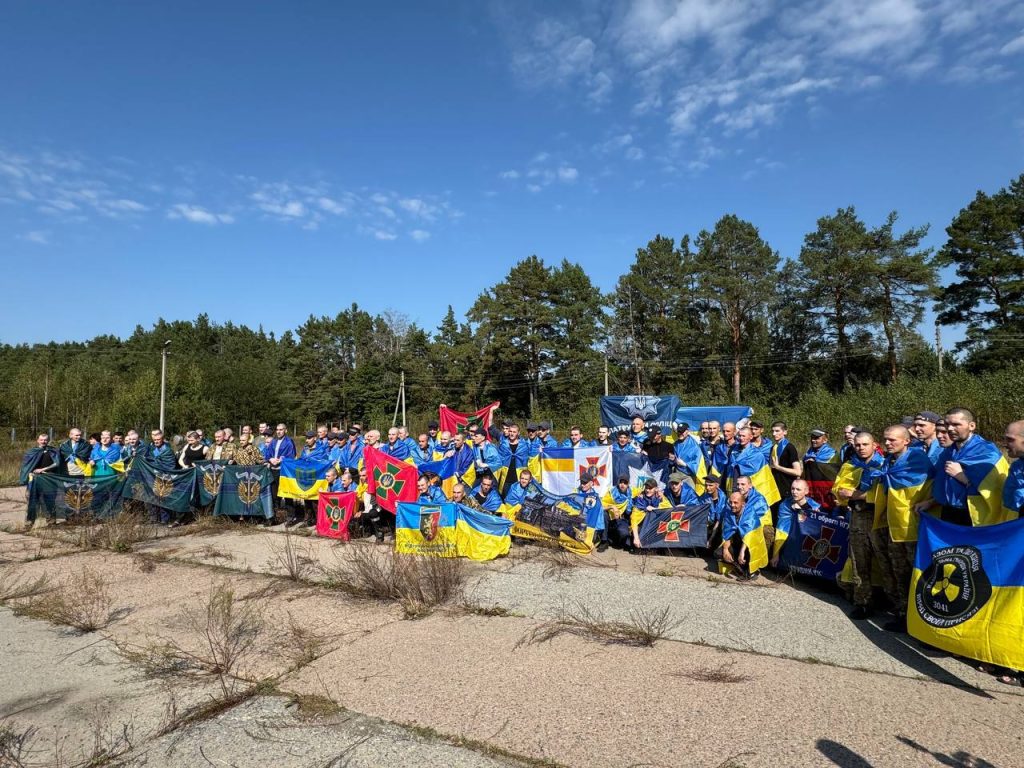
689 451
986 471
749 528
851 477
751 462
967 590
904 483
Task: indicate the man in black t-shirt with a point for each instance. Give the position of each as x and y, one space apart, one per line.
655 447
785 463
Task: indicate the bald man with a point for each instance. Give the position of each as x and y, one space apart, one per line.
1013 489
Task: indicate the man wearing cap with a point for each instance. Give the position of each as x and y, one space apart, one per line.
650 498
544 437
313 450
334 451
352 451
655 448
680 492
618 505
422 453
688 459
924 430
486 495
821 465
485 455
589 503
405 437
396 447
714 496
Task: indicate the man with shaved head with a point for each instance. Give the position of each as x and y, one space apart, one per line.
722 448
853 489
1013 489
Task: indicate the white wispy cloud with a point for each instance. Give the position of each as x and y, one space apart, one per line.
419 235
198 215
723 69
36 236
382 234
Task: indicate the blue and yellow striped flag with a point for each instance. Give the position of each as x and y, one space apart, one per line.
303 479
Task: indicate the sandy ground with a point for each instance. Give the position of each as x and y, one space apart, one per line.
807 686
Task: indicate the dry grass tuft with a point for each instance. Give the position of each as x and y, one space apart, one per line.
293 558
719 674
486 610
17 588
418 584
119 533
83 602
301 645
17 744
643 629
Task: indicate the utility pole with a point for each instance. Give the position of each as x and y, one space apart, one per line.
938 345
404 422
163 381
606 375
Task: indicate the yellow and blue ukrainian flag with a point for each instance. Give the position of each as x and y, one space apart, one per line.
967 590
303 478
986 471
450 530
903 483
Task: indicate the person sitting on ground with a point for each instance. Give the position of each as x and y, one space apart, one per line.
742 546
459 496
618 505
486 495
333 481
525 486
650 498
792 509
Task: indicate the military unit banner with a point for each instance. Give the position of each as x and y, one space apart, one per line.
967 590
675 528
389 480
62 496
618 412
454 422
546 517
334 512
561 469
450 530
167 489
817 545
208 479
244 491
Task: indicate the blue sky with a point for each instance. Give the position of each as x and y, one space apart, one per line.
260 162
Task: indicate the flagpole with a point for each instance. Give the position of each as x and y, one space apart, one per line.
163 381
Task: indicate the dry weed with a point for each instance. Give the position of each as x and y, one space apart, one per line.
719 674
293 558
301 645
17 744
644 628
418 584
17 588
119 533
83 602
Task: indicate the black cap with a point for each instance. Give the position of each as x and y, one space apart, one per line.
586 477
623 479
683 427
545 425
531 426
334 436
432 424
819 433
311 433
353 430
907 421
655 430
931 416
712 479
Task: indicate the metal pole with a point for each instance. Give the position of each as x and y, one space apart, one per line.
398 402
404 422
163 382
606 375
938 344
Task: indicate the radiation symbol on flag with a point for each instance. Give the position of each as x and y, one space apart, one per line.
953 588
673 526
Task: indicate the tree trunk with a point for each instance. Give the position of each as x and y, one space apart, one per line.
841 341
735 326
890 340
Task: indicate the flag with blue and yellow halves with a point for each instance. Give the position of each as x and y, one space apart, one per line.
303 478
445 469
450 530
90 470
751 463
748 527
986 471
967 590
904 482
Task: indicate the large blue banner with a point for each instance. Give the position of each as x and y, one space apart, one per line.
695 414
618 412
678 527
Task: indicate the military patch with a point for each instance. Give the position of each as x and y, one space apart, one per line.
953 588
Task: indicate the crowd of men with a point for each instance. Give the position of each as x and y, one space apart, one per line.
753 478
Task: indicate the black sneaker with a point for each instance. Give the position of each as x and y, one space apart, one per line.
860 612
602 546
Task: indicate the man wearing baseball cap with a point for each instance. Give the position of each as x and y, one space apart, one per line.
923 428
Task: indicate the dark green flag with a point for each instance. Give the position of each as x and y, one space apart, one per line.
208 479
166 489
61 496
245 491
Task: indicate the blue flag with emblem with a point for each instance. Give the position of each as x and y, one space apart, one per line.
685 526
811 542
618 412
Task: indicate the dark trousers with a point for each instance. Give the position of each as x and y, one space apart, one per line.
957 516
